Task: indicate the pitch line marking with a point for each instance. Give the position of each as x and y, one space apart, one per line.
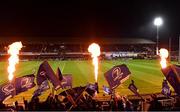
63 66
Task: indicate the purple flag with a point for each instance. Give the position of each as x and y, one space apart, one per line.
172 74
6 90
107 90
43 87
92 86
59 74
133 88
66 82
45 72
24 83
41 74
166 89
20 84
71 99
117 75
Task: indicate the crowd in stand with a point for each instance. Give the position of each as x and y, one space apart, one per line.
61 103
47 47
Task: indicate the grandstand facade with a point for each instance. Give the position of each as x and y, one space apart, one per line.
77 47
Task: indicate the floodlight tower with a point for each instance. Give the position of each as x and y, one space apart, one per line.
157 22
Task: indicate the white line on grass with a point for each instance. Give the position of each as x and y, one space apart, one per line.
63 66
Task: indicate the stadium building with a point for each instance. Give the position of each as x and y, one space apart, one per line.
67 48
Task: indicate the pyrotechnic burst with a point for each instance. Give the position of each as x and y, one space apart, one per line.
94 49
163 54
13 51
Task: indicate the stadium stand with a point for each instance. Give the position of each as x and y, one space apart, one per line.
77 48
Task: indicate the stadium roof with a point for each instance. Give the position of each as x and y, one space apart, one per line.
79 40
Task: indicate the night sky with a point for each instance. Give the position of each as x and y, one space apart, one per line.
89 19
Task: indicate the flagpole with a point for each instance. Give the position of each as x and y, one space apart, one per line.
14 84
114 98
52 91
77 99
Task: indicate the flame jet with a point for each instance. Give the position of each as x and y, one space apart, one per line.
13 51
94 49
164 55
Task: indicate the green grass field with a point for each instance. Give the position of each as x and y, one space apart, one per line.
146 74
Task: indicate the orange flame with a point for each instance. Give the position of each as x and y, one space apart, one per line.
94 49
13 50
163 54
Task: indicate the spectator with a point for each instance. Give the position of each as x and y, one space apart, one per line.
154 104
120 104
25 104
89 103
129 106
2 105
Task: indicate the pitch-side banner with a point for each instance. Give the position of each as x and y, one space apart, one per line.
117 75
